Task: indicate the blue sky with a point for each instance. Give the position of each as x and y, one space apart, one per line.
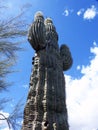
76 23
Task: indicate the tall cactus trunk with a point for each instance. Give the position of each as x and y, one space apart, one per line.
46 102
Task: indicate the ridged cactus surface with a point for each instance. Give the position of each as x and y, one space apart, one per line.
46 102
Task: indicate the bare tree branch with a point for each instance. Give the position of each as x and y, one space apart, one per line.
12 33
4 118
16 116
3 102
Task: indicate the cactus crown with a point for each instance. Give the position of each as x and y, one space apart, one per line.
39 16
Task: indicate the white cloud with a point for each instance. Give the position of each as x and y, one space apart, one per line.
82 96
66 12
5 128
25 86
78 67
80 12
90 13
94 43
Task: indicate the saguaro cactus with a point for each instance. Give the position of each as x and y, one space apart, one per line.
46 102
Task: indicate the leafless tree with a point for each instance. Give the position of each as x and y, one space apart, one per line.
12 32
14 118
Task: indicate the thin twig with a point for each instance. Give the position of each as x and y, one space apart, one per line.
4 118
